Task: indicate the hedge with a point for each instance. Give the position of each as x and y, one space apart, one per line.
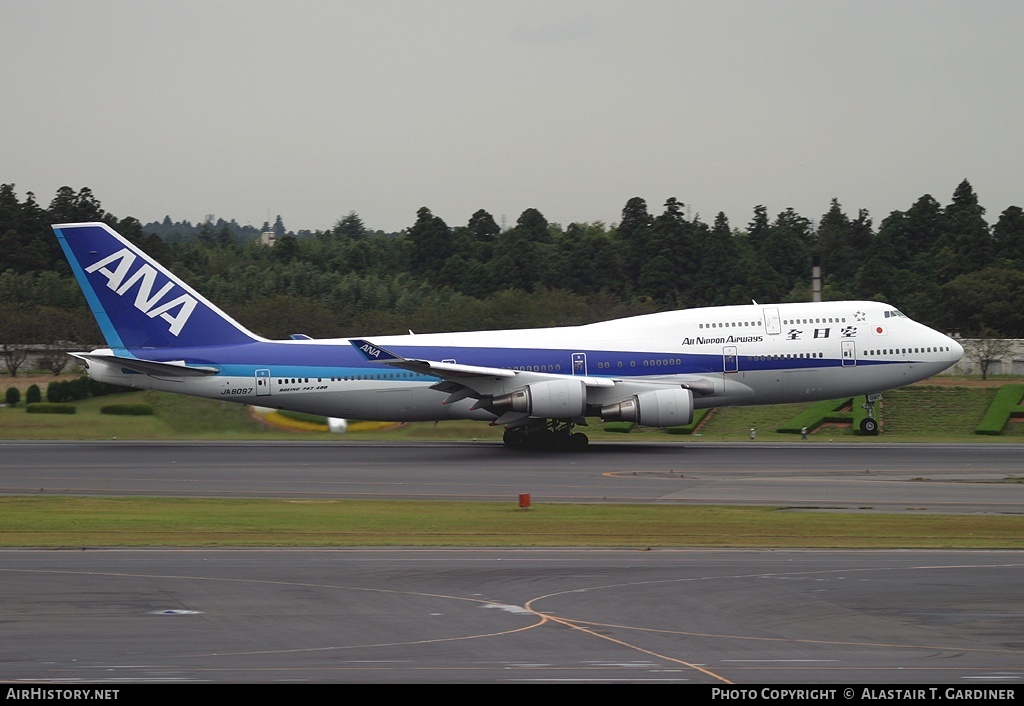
1006 404
132 409
50 408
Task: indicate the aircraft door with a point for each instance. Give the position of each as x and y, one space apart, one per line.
772 321
262 382
730 360
579 363
849 353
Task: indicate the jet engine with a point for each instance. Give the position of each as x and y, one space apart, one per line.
658 408
556 399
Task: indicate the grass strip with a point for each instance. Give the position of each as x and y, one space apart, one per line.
59 521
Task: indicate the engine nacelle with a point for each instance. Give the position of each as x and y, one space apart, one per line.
657 408
555 399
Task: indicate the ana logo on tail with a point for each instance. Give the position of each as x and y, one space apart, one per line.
120 278
370 350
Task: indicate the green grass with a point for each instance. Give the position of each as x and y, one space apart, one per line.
917 413
174 417
107 522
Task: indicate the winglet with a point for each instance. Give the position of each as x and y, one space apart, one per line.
374 353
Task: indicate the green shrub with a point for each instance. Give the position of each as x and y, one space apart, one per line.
98 389
1006 404
57 391
826 412
33 395
79 389
13 396
132 409
50 408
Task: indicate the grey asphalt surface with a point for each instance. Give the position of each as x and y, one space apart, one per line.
856 477
681 616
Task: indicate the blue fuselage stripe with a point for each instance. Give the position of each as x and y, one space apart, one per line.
325 361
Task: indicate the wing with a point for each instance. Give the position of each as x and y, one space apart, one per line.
515 397
488 386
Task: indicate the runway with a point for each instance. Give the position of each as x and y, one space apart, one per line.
537 616
925 478
681 616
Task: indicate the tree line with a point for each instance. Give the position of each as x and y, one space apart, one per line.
943 265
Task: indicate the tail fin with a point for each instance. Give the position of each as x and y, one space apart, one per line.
137 303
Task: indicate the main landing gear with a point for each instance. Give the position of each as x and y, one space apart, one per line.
546 435
869 425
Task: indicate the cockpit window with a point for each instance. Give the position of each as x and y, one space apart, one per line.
894 312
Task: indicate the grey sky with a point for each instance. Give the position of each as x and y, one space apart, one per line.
311 109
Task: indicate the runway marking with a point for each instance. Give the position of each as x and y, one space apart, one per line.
484 603
578 625
542 618
788 574
582 626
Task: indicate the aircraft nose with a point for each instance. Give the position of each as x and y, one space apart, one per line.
956 351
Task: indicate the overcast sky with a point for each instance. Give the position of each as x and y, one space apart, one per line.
310 109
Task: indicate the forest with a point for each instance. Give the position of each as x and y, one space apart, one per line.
944 265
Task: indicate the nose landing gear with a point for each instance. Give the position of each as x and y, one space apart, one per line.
869 425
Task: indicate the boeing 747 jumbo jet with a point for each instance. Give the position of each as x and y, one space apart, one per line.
539 384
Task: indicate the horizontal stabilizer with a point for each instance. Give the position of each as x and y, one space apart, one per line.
149 367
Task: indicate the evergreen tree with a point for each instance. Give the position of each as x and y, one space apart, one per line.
70 207
718 276
431 243
350 227
669 248
633 232
10 208
26 240
518 261
915 233
483 233
223 236
835 244
985 302
758 227
286 249
965 233
279 229
1008 235
784 255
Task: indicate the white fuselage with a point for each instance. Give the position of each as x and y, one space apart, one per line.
733 355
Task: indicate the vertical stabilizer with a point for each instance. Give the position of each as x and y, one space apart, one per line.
138 303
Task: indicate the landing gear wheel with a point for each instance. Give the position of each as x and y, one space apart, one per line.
552 435
869 426
514 438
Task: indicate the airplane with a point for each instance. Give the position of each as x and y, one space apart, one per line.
653 370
